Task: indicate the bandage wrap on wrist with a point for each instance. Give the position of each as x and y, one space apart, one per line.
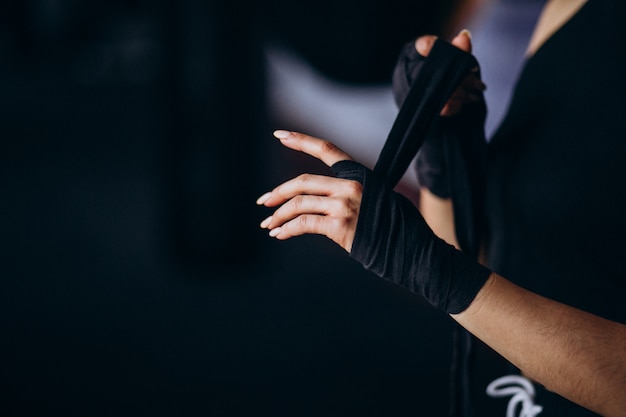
393 241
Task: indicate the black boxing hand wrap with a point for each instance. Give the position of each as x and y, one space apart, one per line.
393 241
451 161
407 69
432 159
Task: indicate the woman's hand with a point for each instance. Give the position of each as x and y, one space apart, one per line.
471 88
314 203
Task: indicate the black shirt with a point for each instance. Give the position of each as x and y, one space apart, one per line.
556 204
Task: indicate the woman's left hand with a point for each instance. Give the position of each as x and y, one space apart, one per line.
314 204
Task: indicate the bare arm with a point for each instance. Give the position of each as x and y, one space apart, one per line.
578 355
439 215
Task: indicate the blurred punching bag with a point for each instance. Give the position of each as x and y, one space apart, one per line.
217 100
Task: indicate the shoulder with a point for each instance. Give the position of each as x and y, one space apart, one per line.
555 14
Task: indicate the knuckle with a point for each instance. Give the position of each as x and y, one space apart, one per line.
297 203
343 207
424 44
354 208
327 147
286 230
350 211
297 135
344 223
304 223
354 187
303 179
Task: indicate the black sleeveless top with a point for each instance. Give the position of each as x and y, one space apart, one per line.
556 201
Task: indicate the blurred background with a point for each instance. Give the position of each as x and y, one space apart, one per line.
135 139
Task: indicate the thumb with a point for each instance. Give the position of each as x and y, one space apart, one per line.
463 41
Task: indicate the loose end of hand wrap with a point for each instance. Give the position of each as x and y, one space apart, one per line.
436 78
450 161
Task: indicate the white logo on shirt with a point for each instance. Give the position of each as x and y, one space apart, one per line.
522 392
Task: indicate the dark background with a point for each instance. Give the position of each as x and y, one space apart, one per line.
134 277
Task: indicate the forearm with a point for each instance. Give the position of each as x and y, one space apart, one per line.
573 353
439 216
578 355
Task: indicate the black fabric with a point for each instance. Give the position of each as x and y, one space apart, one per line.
451 161
430 164
393 241
437 78
451 164
554 205
556 168
407 69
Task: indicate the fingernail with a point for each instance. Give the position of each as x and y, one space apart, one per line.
261 200
266 222
275 232
282 134
467 33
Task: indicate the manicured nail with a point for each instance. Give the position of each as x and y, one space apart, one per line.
275 232
466 33
282 134
261 200
266 222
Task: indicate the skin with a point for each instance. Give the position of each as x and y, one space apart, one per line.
578 355
329 206
573 353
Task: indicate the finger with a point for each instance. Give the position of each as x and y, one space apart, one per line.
309 184
301 204
452 107
315 224
472 83
455 102
424 44
463 41
304 224
460 97
472 97
321 149
347 208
